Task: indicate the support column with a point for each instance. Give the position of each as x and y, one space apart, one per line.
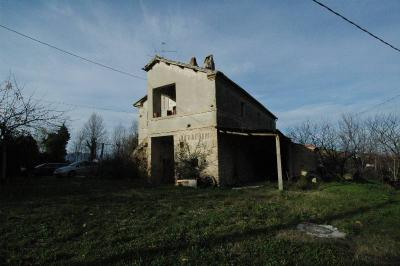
279 162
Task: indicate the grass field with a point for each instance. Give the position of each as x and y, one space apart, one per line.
96 222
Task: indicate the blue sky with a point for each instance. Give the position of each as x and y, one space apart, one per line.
296 58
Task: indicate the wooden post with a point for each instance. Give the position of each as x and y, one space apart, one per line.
279 162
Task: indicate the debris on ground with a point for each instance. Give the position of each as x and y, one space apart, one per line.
320 230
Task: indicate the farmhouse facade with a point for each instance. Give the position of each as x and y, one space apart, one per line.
188 104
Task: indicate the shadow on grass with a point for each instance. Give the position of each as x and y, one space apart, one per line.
53 188
148 253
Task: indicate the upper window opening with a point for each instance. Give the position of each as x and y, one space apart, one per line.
164 101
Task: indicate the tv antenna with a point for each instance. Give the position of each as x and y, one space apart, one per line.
163 49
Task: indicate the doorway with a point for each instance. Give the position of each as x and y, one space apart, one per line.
162 160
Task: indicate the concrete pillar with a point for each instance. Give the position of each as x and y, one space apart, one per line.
279 161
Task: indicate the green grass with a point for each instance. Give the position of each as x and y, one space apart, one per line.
96 222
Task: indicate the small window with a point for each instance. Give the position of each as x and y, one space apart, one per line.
241 109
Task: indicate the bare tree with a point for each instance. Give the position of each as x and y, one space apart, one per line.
20 114
78 145
354 142
332 151
95 134
124 140
386 131
133 138
118 139
302 133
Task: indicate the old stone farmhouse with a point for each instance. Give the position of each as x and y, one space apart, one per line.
186 103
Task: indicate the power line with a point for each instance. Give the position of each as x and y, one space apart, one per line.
71 54
379 104
357 26
86 106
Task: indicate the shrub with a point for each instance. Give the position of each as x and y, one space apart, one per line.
303 183
190 162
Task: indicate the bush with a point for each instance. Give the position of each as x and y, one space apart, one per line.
190 162
308 181
303 183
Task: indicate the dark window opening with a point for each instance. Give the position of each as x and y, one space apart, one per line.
164 101
242 109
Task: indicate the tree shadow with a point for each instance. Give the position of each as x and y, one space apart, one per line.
233 237
53 188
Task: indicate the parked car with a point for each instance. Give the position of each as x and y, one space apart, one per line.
47 169
84 168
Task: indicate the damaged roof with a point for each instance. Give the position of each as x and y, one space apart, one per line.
158 59
141 100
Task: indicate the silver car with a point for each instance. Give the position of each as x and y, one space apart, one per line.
82 168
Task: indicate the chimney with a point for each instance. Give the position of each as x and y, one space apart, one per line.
209 62
193 61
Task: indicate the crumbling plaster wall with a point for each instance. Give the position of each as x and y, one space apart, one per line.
195 98
204 139
142 126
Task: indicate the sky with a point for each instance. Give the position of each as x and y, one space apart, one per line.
296 58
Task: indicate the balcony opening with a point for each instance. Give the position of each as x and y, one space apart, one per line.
164 101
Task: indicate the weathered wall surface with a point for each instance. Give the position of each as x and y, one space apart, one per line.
195 118
206 140
206 137
229 101
195 99
142 127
